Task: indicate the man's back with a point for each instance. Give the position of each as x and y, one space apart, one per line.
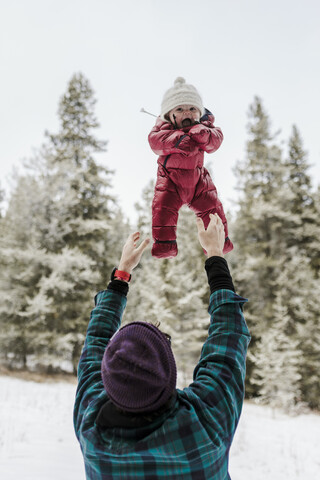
190 440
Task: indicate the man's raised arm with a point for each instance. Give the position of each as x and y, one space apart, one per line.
105 320
218 386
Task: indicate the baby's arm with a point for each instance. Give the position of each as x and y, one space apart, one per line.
164 140
207 136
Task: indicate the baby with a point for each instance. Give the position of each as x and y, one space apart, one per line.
181 135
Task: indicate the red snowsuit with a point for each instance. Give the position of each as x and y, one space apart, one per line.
183 180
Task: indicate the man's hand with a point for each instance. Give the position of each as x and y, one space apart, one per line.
212 239
131 254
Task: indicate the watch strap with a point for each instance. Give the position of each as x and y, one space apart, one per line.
121 275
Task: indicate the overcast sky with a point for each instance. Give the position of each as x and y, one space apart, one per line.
132 50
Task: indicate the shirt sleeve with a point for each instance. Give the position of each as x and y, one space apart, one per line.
218 274
218 387
105 320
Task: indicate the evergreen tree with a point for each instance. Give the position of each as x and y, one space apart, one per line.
301 263
278 357
257 231
83 207
299 202
86 220
258 228
22 264
300 291
276 235
70 222
298 179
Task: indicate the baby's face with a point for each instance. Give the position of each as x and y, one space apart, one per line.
184 115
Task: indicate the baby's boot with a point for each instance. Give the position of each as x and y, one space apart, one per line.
164 249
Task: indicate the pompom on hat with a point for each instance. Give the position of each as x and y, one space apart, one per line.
181 93
138 368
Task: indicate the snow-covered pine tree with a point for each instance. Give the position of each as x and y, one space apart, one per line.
77 225
83 207
297 177
276 233
258 227
300 292
278 356
304 229
303 252
87 222
22 263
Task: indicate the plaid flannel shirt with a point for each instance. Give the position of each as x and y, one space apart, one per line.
193 439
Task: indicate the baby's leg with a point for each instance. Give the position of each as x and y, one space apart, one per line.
165 207
206 201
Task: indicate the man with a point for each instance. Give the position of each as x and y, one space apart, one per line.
130 420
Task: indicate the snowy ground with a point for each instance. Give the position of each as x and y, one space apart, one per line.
37 440
271 445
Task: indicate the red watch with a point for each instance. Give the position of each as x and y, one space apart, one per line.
121 275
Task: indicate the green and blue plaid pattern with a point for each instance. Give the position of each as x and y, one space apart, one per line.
192 440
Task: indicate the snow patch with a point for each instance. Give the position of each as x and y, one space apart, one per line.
37 441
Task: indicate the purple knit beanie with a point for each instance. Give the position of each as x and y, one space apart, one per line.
138 368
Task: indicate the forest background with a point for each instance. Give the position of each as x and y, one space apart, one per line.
63 230
80 188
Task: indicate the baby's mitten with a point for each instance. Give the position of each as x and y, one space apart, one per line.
199 133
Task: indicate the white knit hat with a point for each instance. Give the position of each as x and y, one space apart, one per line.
180 94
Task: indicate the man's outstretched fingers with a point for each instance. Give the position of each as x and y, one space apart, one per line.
216 218
200 225
213 218
143 245
135 236
131 254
